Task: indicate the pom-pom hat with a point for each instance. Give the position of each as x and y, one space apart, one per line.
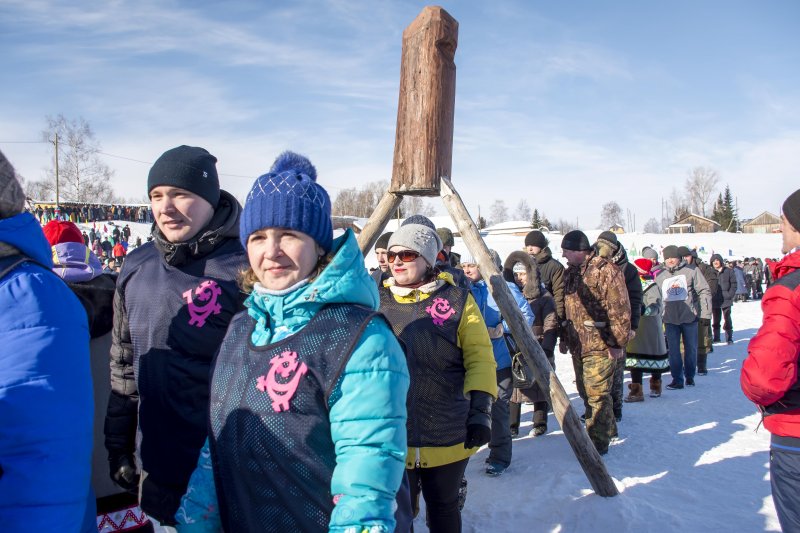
60 231
288 196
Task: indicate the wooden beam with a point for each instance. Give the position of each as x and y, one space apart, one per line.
576 435
377 221
423 148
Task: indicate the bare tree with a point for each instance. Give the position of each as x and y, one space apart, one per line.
564 226
82 175
610 214
700 187
498 212
523 211
677 207
652 226
415 205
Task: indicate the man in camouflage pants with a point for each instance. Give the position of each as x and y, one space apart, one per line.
597 327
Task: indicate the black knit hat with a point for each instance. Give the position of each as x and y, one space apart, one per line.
187 167
683 251
576 240
383 241
536 238
671 252
791 209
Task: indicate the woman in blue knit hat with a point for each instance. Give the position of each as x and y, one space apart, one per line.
307 414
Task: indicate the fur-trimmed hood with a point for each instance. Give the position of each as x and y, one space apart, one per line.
532 288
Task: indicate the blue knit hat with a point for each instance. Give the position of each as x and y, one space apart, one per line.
288 196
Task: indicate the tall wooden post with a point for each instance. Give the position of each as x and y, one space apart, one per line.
423 146
574 431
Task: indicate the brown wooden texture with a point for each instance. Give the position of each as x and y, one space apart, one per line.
576 435
423 148
377 221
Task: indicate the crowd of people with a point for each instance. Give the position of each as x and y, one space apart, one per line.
250 374
85 213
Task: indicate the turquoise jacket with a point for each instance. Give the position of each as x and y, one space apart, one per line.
367 410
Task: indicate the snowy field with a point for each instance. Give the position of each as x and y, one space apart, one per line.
688 461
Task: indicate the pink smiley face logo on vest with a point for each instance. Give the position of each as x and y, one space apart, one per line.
283 365
207 294
440 310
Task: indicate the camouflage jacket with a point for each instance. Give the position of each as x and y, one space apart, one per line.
597 307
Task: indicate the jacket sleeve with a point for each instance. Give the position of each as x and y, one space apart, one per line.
770 368
634 287
473 339
558 291
368 427
199 510
522 303
619 307
703 294
121 416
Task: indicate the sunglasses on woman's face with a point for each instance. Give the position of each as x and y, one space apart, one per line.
406 256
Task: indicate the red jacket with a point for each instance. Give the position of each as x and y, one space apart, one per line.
119 250
769 373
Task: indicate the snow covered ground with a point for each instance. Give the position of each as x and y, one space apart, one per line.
688 461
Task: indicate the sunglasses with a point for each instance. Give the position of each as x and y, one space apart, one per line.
406 256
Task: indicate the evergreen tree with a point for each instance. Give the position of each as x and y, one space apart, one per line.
725 211
481 222
536 221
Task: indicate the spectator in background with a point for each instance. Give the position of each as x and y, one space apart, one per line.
722 299
382 272
704 343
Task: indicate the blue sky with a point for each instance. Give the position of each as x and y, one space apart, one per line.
567 104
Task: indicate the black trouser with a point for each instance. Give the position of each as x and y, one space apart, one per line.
539 414
637 375
439 486
718 314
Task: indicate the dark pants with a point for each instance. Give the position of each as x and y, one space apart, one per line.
637 375
687 365
784 473
439 487
539 414
719 313
616 387
500 445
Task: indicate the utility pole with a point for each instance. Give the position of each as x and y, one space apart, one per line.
58 207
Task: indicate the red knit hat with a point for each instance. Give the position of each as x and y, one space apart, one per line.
643 265
57 231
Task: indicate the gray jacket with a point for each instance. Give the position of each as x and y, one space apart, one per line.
686 294
649 339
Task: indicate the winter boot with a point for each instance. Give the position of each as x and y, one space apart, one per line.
702 360
636 394
729 337
716 334
655 388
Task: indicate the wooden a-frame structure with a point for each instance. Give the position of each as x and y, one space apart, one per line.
422 163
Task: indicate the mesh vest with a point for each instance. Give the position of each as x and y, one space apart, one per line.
437 408
270 440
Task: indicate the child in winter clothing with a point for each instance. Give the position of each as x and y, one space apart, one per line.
452 369
647 351
308 390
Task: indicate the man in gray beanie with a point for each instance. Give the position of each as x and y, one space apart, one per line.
45 381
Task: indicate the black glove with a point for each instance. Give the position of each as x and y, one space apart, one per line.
123 473
479 419
705 322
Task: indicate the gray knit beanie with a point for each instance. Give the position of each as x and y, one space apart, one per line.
12 197
420 238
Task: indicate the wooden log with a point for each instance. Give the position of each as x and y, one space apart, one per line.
423 148
576 435
377 221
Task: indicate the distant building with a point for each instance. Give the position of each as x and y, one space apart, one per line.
513 227
617 228
766 222
694 224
